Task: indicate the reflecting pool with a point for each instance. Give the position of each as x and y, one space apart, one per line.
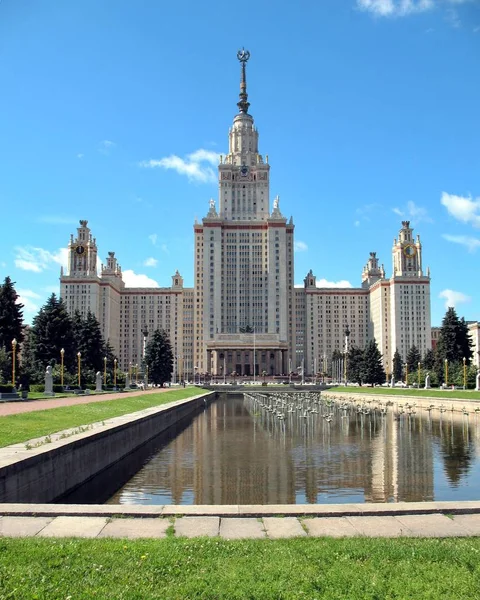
295 448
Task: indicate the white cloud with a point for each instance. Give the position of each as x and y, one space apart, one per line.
150 262
470 243
165 249
29 299
106 146
404 8
453 298
414 212
80 155
462 208
300 246
197 166
132 279
153 238
29 258
395 8
324 283
357 223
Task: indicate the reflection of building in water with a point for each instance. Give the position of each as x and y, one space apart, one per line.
402 462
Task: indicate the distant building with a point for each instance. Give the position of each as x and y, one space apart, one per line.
435 336
474 333
244 313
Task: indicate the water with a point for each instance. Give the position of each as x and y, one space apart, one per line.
240 452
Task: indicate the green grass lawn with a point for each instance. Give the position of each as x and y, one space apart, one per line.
214 569
432 393
26 426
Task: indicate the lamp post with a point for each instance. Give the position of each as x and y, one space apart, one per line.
464 373
62 357
347 336
446 372
14 352
136 374
406 374
146 376
254 355
418 374
105 371
79 357
115 373
386 371
130 372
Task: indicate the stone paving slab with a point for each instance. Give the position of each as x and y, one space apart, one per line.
136 528
197 526
200 511
235 529
286 527
330 527
22 526
383 526
470 523
431 526
88 527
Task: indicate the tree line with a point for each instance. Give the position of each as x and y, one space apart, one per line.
55 332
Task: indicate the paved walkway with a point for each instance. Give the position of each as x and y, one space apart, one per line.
232 528
14 408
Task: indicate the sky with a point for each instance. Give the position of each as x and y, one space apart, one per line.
116 112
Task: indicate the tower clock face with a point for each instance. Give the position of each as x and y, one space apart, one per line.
244 171
409 251
80 250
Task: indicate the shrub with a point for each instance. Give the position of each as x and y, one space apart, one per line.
6 389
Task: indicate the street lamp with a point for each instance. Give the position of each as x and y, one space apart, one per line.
418 374
136 374
195 369
105 371
14 351
446 372
62 356
115 373
406 374
79 356
464 373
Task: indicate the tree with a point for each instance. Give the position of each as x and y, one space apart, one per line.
159 357
397 366
89 341
429 360
413 358
354 364
11 315
453 344
51 331
372 370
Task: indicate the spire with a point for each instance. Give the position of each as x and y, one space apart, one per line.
243 104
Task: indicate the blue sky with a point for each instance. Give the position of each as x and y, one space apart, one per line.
115 112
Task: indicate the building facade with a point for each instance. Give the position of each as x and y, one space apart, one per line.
244 313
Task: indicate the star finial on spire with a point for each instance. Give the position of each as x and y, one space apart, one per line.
243 104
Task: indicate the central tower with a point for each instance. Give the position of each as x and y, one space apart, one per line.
243 263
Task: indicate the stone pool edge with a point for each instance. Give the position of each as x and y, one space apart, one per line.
235 510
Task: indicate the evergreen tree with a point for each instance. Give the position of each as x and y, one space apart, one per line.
89 341
429 360
51 331
397 366
159 358
413 358
11 325
354 364
453 344
372 371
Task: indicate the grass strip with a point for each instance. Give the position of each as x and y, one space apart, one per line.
432 393
26 426
214 569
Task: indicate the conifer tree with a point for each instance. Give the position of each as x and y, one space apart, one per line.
429 360
51 331
11 321
372 371
413 358
453 344
88 341
159 358
397 366
354 364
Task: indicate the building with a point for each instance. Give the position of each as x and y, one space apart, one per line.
245 314
474 333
